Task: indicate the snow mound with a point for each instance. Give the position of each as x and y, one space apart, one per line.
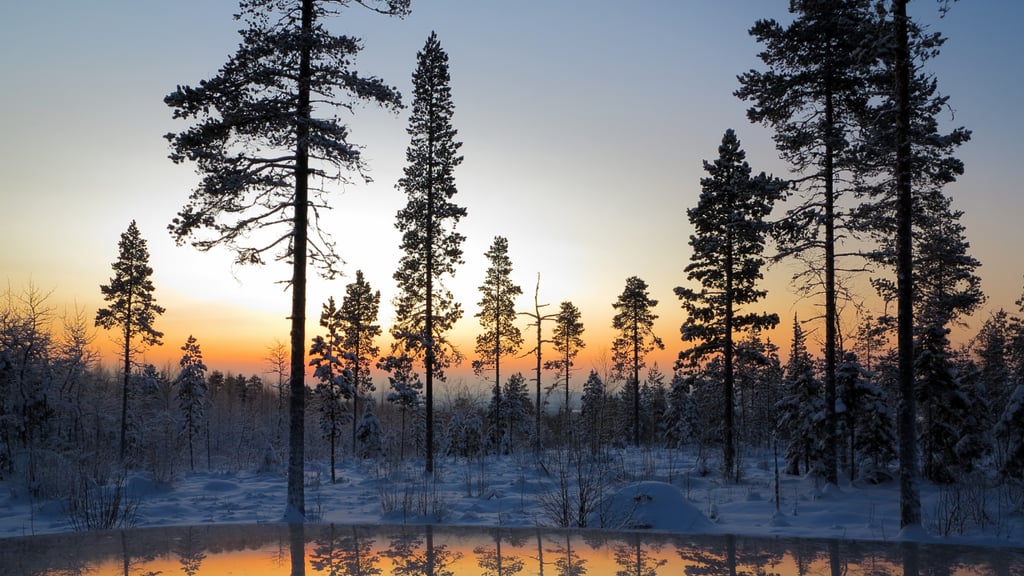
220 486
652 506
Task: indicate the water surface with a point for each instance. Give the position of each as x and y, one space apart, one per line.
335 550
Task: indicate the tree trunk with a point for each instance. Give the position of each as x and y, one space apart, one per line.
540 335
497 369
636 381
355 396
729 456
124 387
910 498
296 507
333 439
428 457
831 441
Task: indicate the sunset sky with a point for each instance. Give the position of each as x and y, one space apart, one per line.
584 125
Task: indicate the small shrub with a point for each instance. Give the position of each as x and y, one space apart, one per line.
101 506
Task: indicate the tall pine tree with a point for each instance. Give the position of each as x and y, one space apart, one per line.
266 131
814 94
903 133
132 308
424 309
730 231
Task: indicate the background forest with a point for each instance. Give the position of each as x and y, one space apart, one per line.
827 401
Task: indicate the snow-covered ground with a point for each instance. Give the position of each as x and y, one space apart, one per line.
642 489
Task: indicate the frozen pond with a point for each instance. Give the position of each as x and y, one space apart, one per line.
278 549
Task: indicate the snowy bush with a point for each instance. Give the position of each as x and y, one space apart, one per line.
370 435
94 505
578 481
44 473
961 506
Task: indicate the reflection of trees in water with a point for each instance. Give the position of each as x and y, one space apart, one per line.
408 560
422 551
496 563
190 552
635 559
567 560
345 554
911 559
130 561
760 557
297 546
708 560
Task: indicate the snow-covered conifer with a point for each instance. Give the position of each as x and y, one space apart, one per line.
801 405
369 434
192 392
334 381
594 411
405 392
867 421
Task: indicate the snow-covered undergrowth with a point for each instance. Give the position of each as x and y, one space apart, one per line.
659 490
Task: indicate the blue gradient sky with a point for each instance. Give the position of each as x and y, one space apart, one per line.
584 125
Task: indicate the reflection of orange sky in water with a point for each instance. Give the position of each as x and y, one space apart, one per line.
661 558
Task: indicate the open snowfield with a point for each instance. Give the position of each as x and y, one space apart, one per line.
643 489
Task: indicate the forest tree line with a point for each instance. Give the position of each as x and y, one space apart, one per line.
854 113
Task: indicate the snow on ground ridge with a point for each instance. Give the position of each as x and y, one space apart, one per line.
515 491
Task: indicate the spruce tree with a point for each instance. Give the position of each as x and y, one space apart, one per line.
680 412
405 390
358 317
370 434
758 380
265 133
866 420
132 308
800 406
593 411
730 231
1009 429
653 405
993 350
501 337
946 289
192 392
424 309
514 412
335 383
635 323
